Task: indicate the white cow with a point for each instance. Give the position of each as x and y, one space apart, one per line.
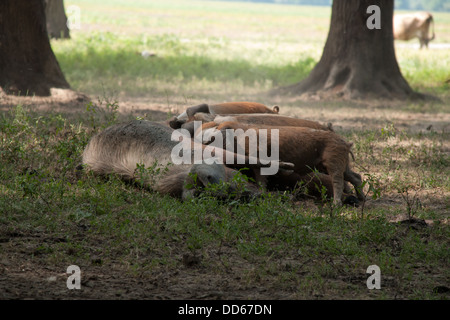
409 26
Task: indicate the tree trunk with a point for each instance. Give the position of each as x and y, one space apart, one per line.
27 63
56 19
357 62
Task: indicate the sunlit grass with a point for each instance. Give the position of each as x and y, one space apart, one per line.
114 63
203 44
426 70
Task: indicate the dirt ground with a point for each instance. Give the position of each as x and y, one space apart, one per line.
346 116
24 275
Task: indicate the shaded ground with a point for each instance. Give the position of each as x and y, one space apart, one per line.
343 115
25 274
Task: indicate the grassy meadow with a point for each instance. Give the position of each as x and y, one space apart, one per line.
207 46
134 244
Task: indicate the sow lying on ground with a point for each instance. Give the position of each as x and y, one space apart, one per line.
121 148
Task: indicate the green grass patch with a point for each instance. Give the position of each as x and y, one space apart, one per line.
114 63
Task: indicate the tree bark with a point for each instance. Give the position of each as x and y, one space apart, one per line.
27 63
357 62
56 19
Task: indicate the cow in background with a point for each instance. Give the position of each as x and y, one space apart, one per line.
409 26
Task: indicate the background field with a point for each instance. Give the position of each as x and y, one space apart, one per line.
131 243
201 47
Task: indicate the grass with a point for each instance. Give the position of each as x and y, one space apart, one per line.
275 247
254 46
115 63
44 194
417 67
